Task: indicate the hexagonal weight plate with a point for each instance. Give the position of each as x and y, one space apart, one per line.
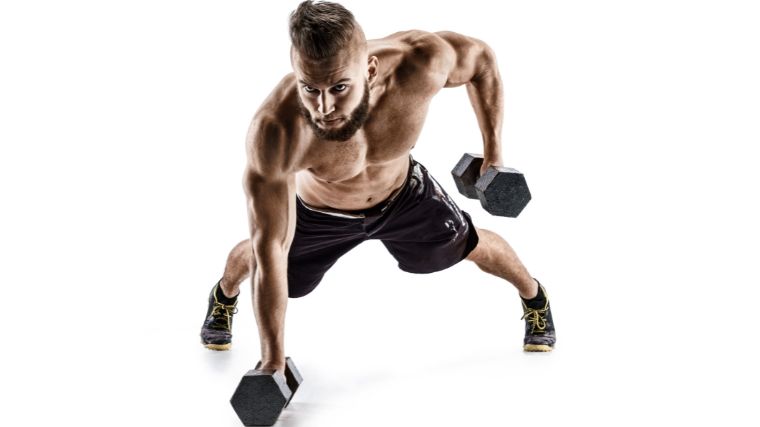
293 378
260 397
503 191
466 173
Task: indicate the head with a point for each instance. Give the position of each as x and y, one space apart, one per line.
332 68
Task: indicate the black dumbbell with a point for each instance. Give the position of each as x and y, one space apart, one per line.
263 394
502 191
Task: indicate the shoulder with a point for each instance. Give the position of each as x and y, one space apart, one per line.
451 58
274 131
412 60
433 55
422 49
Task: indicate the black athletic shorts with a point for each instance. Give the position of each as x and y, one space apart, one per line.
420 225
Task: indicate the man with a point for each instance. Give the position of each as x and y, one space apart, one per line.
329 167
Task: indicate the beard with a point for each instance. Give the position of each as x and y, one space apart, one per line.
353 123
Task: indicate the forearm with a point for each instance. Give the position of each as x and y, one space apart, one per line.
270 300
487 98
467 60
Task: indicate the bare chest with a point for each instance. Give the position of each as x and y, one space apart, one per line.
389 134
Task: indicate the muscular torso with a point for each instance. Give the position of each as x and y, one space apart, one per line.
368 168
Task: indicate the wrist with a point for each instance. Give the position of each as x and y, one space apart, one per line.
492 156
488 162
268 363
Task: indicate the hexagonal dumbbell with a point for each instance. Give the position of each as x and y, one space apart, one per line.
502 191
263 394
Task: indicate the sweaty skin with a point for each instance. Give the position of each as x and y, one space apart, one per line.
285 157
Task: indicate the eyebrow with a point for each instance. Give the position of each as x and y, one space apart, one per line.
334 84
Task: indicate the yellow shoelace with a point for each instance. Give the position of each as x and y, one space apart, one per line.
535 318
226 311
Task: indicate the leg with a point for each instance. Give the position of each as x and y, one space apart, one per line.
313 252
319 241
238 268
216 333
426 232
494 255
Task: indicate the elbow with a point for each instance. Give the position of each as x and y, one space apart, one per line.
488 67
267 251
270 263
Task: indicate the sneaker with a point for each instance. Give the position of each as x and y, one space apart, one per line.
216 333
539 326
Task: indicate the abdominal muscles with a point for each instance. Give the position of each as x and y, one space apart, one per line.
353 185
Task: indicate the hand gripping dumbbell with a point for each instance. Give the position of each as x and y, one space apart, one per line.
502 191
263 394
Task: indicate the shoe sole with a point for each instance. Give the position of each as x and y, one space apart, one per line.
218 347
537 348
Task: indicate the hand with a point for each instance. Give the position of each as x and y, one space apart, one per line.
486 165
278 366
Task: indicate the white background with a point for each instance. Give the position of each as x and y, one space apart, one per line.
121 157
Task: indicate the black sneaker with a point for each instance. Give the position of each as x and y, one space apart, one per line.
539 325
216 333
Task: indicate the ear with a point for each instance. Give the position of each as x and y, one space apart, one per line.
372 69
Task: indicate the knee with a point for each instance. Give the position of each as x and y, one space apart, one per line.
481 248
243 249
477 253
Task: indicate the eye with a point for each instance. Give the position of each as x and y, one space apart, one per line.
340 88
310 89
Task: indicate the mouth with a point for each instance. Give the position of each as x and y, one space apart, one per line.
331 122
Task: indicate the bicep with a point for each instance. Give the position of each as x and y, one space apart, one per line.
271 210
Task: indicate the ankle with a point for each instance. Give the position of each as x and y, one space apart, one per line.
226 294
530 291
539 298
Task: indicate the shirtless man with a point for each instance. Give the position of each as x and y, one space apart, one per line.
329 167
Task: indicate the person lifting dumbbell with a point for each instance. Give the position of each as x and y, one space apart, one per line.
330 166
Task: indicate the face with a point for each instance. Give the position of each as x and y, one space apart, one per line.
334 94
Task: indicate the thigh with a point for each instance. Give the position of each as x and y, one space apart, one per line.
319 241
426 231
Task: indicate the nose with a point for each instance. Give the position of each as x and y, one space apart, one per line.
326 104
